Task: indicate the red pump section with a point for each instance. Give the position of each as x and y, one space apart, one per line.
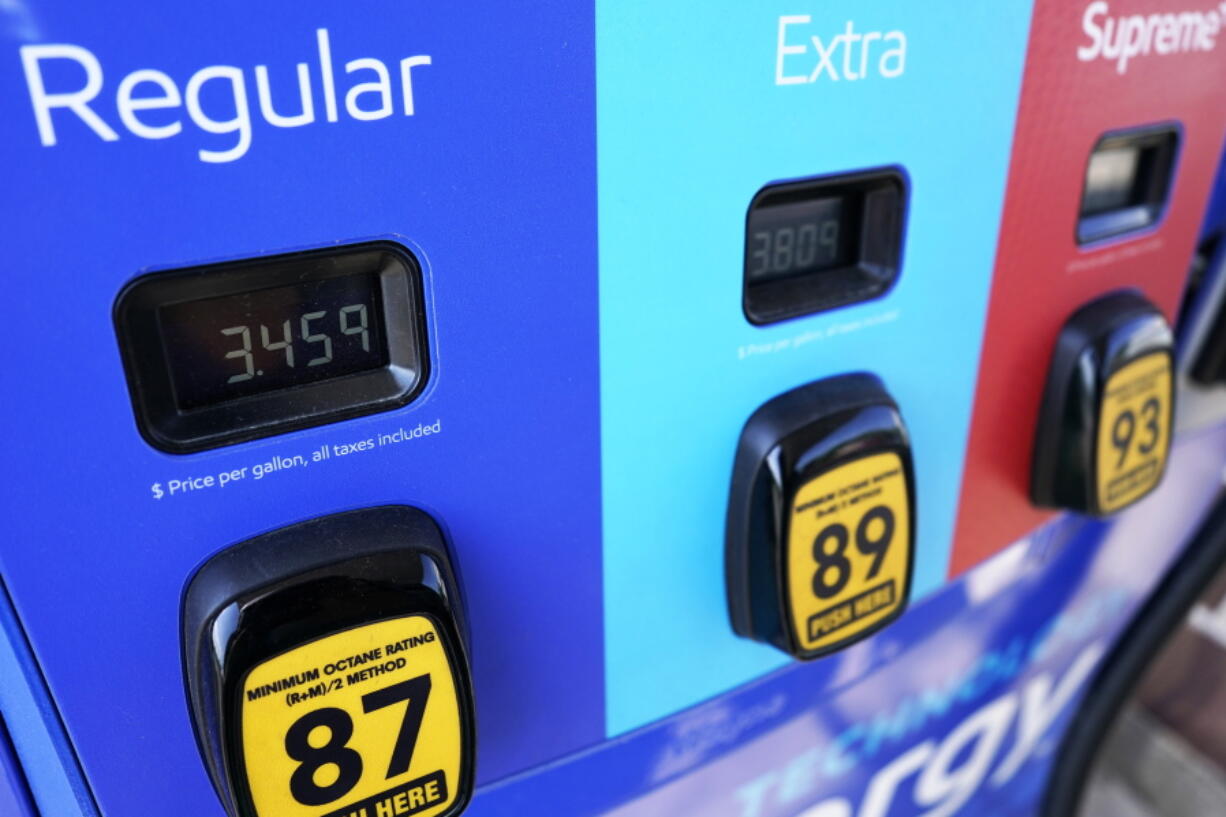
1081 82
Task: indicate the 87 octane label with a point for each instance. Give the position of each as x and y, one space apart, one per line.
361 723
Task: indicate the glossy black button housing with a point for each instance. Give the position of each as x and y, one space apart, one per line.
1105 421
821 521
348 627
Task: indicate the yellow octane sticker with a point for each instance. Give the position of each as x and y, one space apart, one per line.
362 723
848 550
1133 431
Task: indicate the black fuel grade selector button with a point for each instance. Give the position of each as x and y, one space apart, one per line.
821 521
327 673
1105 422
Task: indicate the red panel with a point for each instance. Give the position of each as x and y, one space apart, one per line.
1041 274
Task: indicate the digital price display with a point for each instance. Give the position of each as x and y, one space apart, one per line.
1128 178
822 243
219 354
220 349
799 238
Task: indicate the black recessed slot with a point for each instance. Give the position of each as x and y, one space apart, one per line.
230 352
1128 179
822 243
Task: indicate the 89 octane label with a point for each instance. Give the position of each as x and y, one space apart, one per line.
1133 431
361 723
849 550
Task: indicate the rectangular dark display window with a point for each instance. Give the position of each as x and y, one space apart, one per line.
221 349
1127 182
225 353
1110 180
822 243
797 239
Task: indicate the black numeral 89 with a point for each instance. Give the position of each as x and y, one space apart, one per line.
833 567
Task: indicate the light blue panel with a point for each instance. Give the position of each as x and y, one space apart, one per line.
691 123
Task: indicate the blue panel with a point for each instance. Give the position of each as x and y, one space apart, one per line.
692 123
14 792
39 755
490 182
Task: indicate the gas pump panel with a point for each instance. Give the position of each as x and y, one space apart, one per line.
1105 425
821 517
370 363
327 672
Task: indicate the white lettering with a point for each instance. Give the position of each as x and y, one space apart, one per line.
881 789
215 97
825 59
1095 9
75 101
325 73
868 38
898 53
304 94
381 86
240 123
1126 37
784 50
850 38
1040 706
128 105
843 56
952 788
406 79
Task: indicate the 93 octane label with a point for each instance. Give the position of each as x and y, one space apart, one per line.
1133 431
361 723
849 550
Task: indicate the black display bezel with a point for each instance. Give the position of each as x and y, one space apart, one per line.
1158 147
167 427
875 207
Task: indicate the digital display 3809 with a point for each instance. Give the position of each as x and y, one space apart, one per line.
821 243
796 238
